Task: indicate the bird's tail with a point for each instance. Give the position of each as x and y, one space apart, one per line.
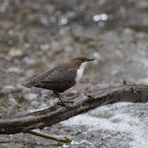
29 84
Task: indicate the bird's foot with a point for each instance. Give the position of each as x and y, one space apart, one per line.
72 96
67 106
65 103
68 101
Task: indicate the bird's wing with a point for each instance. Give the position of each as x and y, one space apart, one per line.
62 73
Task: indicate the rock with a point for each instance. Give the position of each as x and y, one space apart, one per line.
15 52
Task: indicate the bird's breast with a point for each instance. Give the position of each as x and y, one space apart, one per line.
80 72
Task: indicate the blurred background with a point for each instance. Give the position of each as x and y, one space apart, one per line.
36 35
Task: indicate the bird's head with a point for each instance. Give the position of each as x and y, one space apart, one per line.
82 59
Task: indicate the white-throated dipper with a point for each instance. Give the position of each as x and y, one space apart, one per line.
62 77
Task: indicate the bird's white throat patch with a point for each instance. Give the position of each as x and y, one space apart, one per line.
80 72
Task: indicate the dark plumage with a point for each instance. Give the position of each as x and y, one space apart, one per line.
60 78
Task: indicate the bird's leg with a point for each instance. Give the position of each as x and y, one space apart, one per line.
62 101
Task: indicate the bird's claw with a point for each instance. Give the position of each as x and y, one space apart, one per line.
64 104
72 98
68 101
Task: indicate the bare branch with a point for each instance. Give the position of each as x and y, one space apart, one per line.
55 114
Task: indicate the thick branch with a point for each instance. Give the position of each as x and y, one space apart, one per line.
55 114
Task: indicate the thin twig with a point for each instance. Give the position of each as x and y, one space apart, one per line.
60 138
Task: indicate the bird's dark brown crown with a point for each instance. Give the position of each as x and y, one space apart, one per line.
77 61
81 59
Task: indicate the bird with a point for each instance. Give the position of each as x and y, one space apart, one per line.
61 78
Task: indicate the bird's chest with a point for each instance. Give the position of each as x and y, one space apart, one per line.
80 72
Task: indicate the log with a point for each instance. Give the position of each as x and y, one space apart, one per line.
98 97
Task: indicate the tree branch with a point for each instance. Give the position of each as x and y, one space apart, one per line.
55 114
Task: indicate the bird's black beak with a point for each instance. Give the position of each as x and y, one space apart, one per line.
88 60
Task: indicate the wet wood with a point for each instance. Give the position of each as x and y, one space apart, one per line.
82 104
